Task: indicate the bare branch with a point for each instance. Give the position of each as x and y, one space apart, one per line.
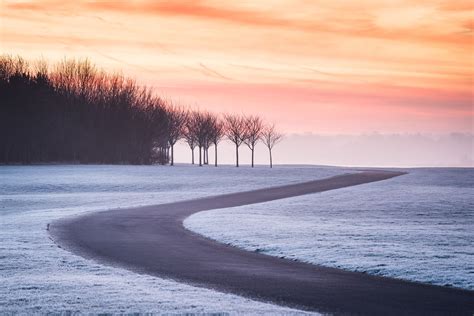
235 132
270 136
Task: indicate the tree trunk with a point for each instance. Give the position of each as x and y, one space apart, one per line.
271 161
253 149
236 155
192 155
172 155
200 156
215 155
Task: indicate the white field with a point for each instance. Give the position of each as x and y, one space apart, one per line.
38 277
417 227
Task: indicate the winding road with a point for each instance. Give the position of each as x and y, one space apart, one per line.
152 240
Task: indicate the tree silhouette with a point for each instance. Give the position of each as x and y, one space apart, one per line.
176 121
190 133
217 134
253 133
75 112
197 132
271 137
235 132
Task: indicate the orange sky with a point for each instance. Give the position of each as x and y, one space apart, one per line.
398 66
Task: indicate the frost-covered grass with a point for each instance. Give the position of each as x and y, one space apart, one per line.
417 227
38 277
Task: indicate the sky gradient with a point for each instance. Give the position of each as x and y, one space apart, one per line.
324 67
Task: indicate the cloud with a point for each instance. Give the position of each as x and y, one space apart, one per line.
213 73
344 20
319 66
456 6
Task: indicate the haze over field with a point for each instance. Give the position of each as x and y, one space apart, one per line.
373 149
399 67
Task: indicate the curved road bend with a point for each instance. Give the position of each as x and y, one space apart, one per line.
152 240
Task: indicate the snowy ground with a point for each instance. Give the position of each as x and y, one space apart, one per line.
38 277
417 227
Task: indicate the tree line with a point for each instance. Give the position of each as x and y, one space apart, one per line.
73 111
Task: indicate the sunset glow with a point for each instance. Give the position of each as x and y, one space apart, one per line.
311 66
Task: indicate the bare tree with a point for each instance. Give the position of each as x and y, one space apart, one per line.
158 125
176 120
235 132
205 134
190 133
217 133
73 111
209 126
253 132
199 131
270 137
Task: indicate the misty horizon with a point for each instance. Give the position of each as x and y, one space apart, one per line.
358 150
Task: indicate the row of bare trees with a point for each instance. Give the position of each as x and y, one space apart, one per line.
201 130
249 130
74 112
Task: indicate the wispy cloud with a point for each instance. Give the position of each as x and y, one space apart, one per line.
213 73
403 63
347 20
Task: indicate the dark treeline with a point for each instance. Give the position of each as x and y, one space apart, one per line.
75 112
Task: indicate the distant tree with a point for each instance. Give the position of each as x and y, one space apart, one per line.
270 137
157 126
190 133
235 132
209 126
176 121
73 111
253 132
216 135
197 132
203 121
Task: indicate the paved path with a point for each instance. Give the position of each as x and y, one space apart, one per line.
152 240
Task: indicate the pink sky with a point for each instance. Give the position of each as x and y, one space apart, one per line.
401 66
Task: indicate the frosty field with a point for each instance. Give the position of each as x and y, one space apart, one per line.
418 227
37 276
